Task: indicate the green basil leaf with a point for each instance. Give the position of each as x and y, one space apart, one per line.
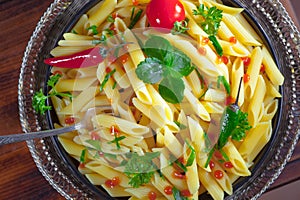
180 63
150 71
157 47
171 89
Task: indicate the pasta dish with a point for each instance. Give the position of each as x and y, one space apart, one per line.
192 91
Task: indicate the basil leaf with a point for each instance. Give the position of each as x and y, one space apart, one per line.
171 89
150 71
180 62
157 47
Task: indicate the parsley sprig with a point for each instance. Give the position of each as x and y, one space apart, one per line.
180 27
165 65
39 103
211 22
140 169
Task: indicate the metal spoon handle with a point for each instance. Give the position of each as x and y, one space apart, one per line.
7 139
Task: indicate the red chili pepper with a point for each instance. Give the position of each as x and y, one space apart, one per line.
168 190
86 58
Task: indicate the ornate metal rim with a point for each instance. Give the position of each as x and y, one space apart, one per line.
285 41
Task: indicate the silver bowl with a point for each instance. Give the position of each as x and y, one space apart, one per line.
269 16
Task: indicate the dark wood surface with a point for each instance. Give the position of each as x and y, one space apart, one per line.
19 177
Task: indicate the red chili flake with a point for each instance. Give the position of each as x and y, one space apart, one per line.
204 40
228 164
111 183
151 195
69 120
114 130
246 78
115 15
262 68
218 174
124 58
135 2
57 72
168 190
101 154
107 70
218 155
246 61
211 164
81 165
179 175
202 51
185 193
229 100
225 59
95 136
233 40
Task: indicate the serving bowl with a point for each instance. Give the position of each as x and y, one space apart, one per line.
270 19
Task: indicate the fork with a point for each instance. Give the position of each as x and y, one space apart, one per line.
85 122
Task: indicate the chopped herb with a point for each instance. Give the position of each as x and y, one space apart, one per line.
110 19
192 155
180 27
212 18
117 140
102 40
209 157
177 194
222 79
140 169
135 19
106 78
114 85
181 126
173 159
73 31
93 29
167 65
132 13
39 99
109 31
82 158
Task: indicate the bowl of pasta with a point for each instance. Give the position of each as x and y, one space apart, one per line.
201 98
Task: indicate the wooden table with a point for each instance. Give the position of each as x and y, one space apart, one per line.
19 177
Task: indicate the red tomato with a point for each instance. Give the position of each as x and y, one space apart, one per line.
151 195
218 174
168 190
164 13
111 183
228 164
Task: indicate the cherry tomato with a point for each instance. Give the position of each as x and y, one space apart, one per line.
115 181
218 174
211 164
185 193
168 190
178 175
228 164
232 40
246 61
164 13
69 120
246 78
151 195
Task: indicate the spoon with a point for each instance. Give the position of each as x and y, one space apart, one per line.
84 123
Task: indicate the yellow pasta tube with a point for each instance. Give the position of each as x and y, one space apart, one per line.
77 84
210 184
254 108
253 71
102 13
237 73
271 68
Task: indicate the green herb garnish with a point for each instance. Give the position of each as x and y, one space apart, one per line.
135 19
39 99
117 140
93 29
165 65
222 79
212 18
192 155
140 169
82 158
180 27
177 194
106 78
